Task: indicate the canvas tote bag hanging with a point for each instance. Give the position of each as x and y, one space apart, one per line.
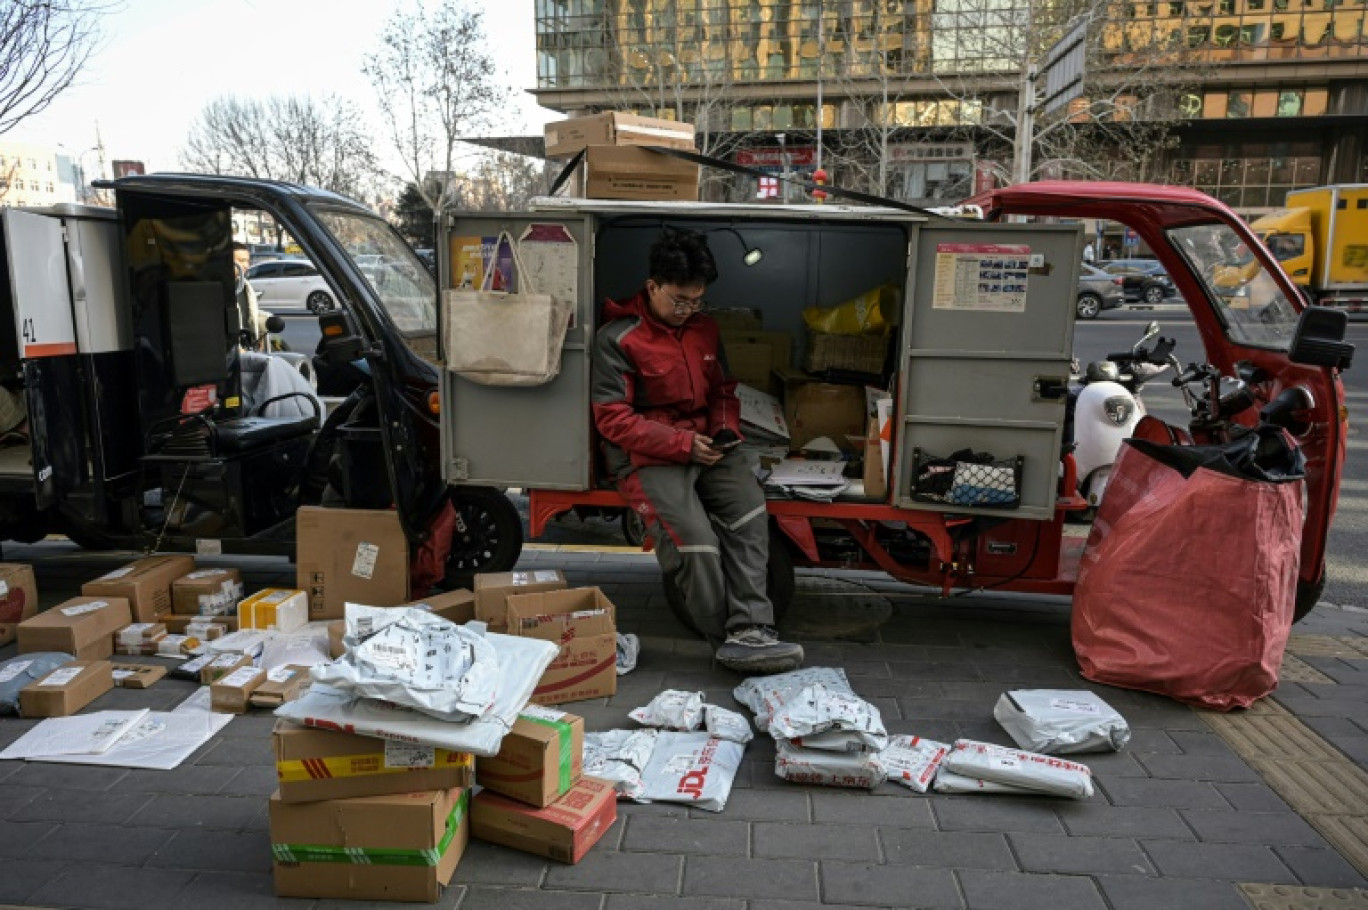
502 338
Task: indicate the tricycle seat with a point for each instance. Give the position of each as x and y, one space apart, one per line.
243 433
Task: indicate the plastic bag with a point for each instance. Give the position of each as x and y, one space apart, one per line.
628 648
950 782
820 717
766 694
828 769
1061 721
913 761
415 659
673 709
726 724
18 672
867 314
620 756
693 768
1031 770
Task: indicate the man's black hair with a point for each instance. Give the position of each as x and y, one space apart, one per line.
239 246
681 257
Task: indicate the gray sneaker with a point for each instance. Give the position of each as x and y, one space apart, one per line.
757 649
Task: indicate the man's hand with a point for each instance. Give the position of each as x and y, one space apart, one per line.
703 452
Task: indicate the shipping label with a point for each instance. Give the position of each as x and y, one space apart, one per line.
363 565
61 677
81 609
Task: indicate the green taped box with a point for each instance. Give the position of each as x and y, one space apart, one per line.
539 760
401 847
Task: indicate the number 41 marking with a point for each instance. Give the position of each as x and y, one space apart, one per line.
30 335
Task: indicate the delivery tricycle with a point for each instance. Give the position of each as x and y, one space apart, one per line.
148 413
977 366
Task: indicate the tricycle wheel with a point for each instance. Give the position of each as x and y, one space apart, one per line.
1308 595
488 536
633 528
779 582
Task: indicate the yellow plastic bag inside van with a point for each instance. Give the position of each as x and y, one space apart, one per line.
872 313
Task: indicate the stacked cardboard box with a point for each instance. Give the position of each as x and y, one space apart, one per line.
539 760
361 818
356 555
83 627
206 592
274 609
67 689
139 638
492 590
583 622
144 583
614 168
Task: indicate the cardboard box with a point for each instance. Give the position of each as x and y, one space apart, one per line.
633 173
18 598
206 628
813 409
566 137
146 584
737 318
875 484
337 630
457 606
139 638
357 555
83 627
539 760
274 609
207 592
172 645
563 831
282 684
177 623
316 764
583 622
136 676
222 665
67 689
384 848
232 692
492 590
857 353
752 357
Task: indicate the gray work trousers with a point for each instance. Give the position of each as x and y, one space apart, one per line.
711 536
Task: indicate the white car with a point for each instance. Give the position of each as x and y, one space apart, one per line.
290 283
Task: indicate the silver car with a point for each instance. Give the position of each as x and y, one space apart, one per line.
1098 291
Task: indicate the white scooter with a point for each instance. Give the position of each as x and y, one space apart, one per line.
1105 405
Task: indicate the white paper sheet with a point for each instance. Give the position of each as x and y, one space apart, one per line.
87 734
160 742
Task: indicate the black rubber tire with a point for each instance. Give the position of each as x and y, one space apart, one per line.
633 528
780 584
491 540
318 302
1308 595
1089 306
1154 294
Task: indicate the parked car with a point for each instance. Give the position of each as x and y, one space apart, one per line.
1098 291
1145 279
287 283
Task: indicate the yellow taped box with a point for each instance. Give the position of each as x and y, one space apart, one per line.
67 689
145 583
402 847
314 764
539 760
274 609
583 622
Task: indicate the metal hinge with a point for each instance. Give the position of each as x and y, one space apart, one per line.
460 469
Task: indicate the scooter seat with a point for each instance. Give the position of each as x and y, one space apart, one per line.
243 433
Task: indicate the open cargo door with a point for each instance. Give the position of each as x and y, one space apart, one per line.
532 436
987 340
45 333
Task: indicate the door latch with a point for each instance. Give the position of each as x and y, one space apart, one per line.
1049 388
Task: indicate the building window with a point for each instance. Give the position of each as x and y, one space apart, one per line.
1289 103
1239 103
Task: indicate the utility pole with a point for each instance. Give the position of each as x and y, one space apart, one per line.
821 58
1025 126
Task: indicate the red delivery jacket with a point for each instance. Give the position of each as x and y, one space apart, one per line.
655 386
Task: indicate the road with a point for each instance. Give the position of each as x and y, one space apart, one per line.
1119 329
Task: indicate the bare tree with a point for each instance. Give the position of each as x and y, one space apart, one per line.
44 44
436 82
321 142
502 181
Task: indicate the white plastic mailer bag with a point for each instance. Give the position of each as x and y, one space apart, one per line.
1019 768
1061 721
673 709
88 734
692 768
766 694
521 662
726 724
306 647
950 782
417 660
160 742
18 672
913 761
828 769
620 756
819 716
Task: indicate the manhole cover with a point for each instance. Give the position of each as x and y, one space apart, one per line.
831 608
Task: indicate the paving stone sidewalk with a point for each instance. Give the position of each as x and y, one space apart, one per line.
1178 821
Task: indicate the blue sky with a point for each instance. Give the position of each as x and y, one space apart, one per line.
162 60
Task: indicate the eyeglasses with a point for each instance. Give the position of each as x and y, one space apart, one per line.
685 306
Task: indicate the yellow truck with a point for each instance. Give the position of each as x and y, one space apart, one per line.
1321 240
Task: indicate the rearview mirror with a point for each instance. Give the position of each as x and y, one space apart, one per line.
275 324
341 343
1319 339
